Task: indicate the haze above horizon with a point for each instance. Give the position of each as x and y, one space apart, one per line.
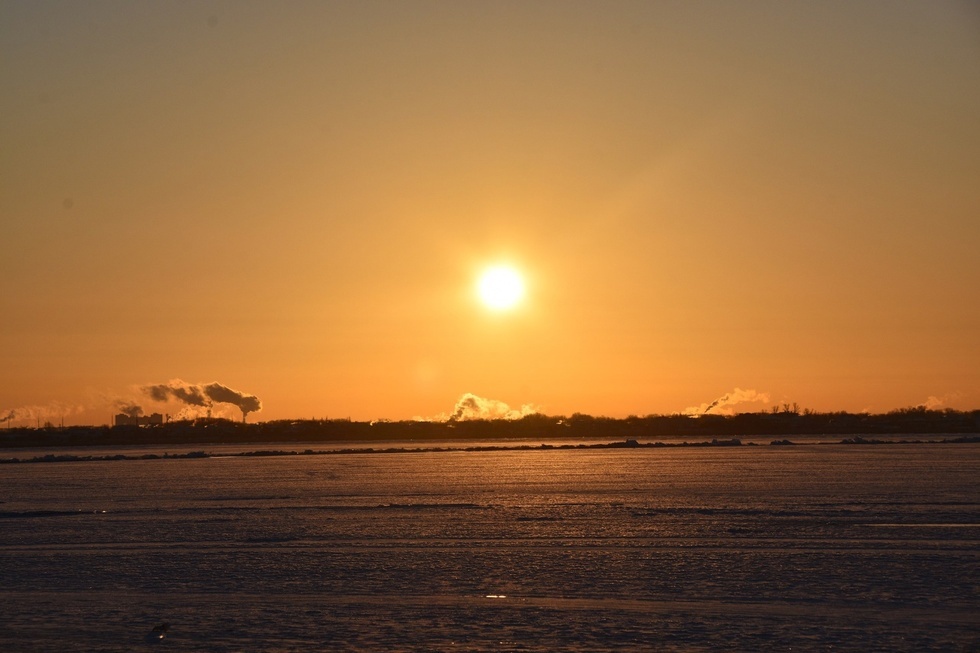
708 204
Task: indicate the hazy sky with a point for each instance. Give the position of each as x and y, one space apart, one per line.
294 199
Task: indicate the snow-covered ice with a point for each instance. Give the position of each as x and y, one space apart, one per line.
843 548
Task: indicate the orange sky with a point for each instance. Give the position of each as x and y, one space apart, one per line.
295 200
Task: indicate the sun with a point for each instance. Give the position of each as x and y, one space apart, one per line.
500 287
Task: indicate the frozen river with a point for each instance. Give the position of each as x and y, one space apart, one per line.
811 547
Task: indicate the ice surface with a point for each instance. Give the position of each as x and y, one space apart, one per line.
755 548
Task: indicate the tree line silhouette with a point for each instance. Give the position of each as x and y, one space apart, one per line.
788 421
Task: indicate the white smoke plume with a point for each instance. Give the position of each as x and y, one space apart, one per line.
938 403
933 403
176 389
472 407
725 405
129 408
204 395
38 415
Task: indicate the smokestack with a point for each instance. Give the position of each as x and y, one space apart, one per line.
715 403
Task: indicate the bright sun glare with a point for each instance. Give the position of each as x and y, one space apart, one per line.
500 287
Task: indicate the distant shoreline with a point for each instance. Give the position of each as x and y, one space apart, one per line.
918 422
625 444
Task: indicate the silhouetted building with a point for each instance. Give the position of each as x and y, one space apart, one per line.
122 419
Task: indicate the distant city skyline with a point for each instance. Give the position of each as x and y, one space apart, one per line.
709 204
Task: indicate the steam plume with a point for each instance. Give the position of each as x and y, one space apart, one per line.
724 405
129 408
177 389
223 394
47 413
937 403
471 406
204 395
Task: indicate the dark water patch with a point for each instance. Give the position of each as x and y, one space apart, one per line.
273 452
431 506
718 512
72 458
224 509
540 519
258 497
925 525
271 539
34 514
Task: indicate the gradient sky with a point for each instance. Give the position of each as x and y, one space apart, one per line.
294 199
